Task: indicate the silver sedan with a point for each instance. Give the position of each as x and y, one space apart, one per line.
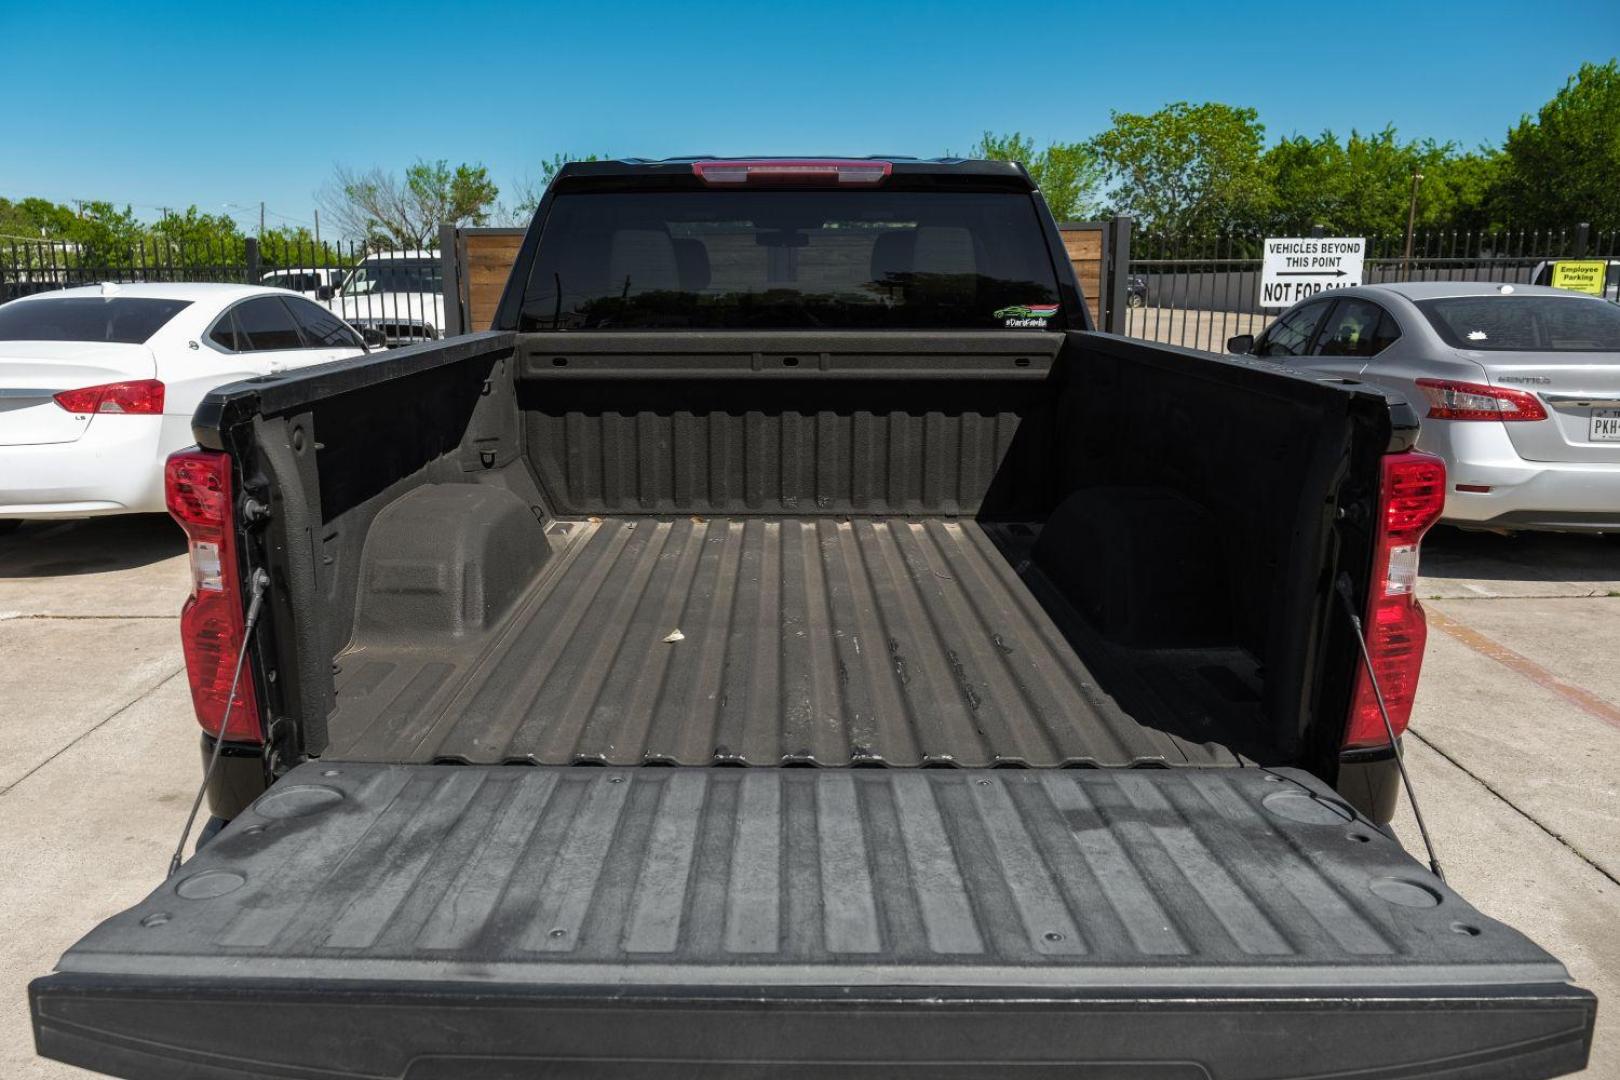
1518 387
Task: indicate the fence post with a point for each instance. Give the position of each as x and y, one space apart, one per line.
1583 235
450 257
1116 290
250 272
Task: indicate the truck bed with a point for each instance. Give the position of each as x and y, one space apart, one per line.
880 640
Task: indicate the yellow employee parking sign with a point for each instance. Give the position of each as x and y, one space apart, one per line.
1584 275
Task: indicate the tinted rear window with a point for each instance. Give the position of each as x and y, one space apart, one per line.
804 260
1525 323
126 320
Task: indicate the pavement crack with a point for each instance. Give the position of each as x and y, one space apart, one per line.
1511 805
19 616
103 722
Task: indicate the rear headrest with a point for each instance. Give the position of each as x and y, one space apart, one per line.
891 253
692 261
646 257
944 249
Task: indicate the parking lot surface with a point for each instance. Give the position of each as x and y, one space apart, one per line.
1514 749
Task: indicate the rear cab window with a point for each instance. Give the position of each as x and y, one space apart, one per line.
711 259
1561 324
122 320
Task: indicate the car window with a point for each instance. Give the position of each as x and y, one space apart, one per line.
224 333
1356 328
322 329
1567 323
127 320
395 276
1291 334
264 324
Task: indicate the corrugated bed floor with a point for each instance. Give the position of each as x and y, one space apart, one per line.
766 642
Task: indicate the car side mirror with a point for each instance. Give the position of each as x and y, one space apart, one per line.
325 292
373 337
1242 344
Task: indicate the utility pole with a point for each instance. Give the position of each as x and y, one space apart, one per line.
261 218
317 228
1411 220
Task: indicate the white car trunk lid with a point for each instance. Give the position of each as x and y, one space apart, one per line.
31 372
1581 393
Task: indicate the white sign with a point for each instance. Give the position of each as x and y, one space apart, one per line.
1301 266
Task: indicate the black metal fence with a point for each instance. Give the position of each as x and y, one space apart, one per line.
1191 291
396 292
1198 291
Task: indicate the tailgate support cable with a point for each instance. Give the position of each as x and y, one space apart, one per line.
258 583
1344 591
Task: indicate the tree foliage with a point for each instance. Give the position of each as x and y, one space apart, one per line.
1364 184
1186 168
1563 165
407 211
1069 174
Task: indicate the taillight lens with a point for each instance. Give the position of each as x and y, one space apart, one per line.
1450 400
769 171
143 397
197 488
1412 494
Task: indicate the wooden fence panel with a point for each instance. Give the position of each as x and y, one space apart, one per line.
1084 244
489 258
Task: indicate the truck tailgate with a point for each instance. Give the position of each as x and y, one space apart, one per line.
425 922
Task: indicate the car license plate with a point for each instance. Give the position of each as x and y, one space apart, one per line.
1605 425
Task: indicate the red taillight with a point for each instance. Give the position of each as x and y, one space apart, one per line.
1450 400
142 398
768 171
1412 494
197 488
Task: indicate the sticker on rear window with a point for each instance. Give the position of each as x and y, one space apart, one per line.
1026 315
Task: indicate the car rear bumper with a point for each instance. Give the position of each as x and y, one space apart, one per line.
116 467
1547 495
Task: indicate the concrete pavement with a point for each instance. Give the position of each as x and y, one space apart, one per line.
1516 765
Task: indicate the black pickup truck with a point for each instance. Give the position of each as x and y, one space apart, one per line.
793 644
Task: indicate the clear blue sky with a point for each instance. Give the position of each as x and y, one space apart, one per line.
169 103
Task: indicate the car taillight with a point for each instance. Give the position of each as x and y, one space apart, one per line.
1450 400
768 171
197 488
1412 494
144 397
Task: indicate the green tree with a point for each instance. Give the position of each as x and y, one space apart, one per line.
34 219
1563 165
1069 175
295 246
407 211
1364 184
1186 168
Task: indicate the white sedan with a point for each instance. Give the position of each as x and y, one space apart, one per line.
98 385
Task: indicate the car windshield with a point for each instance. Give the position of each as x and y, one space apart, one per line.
1572 324
124 320
733 260
394 276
